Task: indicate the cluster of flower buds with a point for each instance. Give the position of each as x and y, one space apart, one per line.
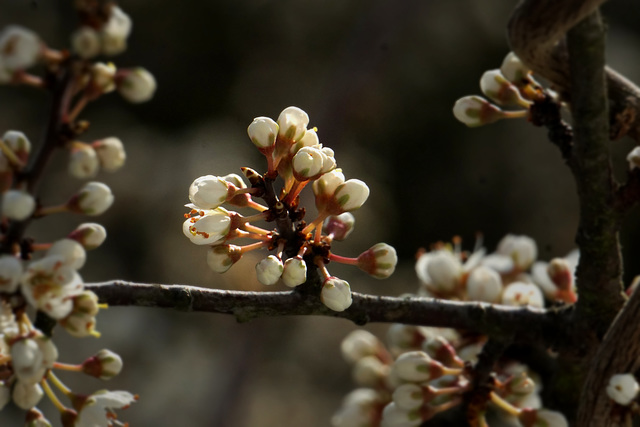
43 277
294 154
422 372
511 86
511 275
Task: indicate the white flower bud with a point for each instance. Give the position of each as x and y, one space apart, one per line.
326 185
292 123
359 344
634 158
484 284
86 42
547 418
369 371
28 360
495 86
208 192
208 229
520 294
349 196
17 205
295 272
310 139
394 416
18 142
522 384
379 261
136 85
70 251
90 235
414 366
83 161
444 271
307 163
104 365
476 111
623 389
408 396
110 153
20 48
93 199
10 273
328 160
115 32
269 270
522 249
27 395
263 131
103 77
513 69
336 294
359 408
220 258
339 226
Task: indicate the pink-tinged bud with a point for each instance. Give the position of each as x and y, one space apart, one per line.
17 205
10 273
348 196
103 77
393 415
220 258
484 284
513 69
93 199
136 85
336 294
438 348
417 366
262 132
209 192
104 365
521 294
476 111
379 261
561 274
522 249
339 226
35 418
408 397
26 395
307 163
634 158
18 142
21 48
495 86
623 389
110 153
85 41
292 123
83 161
90 235
72 253
295 272
209 227
269 270
359 344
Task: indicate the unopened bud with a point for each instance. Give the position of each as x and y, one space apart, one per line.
93 199
86 42
208 192
104 365
484 284
10 273
263 131
369 371
476 111
495 86
408 396
307 163
379 261
393 415
35 418
17 205
83 161
220 258
522 249
325 186
136 85
18 142
103 77
81 321
336 294
634 158
292 123
339 226
623 389
115 32
349 196
110 153
417 366
269 270
359 344
26 395
20 47
90 235
513 69
444 271
520 294
295 272
72 252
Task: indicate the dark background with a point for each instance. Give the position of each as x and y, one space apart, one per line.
378 79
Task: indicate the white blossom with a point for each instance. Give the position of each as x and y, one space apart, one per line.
359 344
623 388
98 409
295 272
111 153
17 205
522 249
71 252
269 270
263 131
521 293
86 42
115 32
209 227
93 199
484 284
634 158
20 48
208 192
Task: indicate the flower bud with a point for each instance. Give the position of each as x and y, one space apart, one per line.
359 408
404 336
307 163
359 344
408 397
634 158
220 258
444 271
496 87
93 199
18 142
83 161
349 196
86 42
111 153
513 69
263 131
522 249
10 273
438 348
269 270
208 192
20 47
103 77
104 365
336 294
90 235
26 395
295 272
136 85
292 123
72 252
328 160
417 366
484 284
81 321
339 226
623 389
379 261
393 415
547 418
476 111
115 32
208 228
310 139
369 371
325 186
521 384
35 418
17 205
561 274
27 360
520 294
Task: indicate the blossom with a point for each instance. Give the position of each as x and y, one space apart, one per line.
17 205
269 270
10 272
209 227
292 123
104 365
71 252
209 192
623 388
83 161
336 294
89 234
86 42
115 32
98 409
220 258
521 293
379 261
484 284
263 131
81 320
136 85
20 48
295 272
110 153
93 199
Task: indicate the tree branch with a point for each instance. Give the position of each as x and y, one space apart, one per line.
525 324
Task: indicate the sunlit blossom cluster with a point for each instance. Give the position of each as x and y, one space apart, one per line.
43 278
295 158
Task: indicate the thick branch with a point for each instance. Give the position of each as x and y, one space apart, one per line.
526 324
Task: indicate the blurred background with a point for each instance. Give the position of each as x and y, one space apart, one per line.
378 79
